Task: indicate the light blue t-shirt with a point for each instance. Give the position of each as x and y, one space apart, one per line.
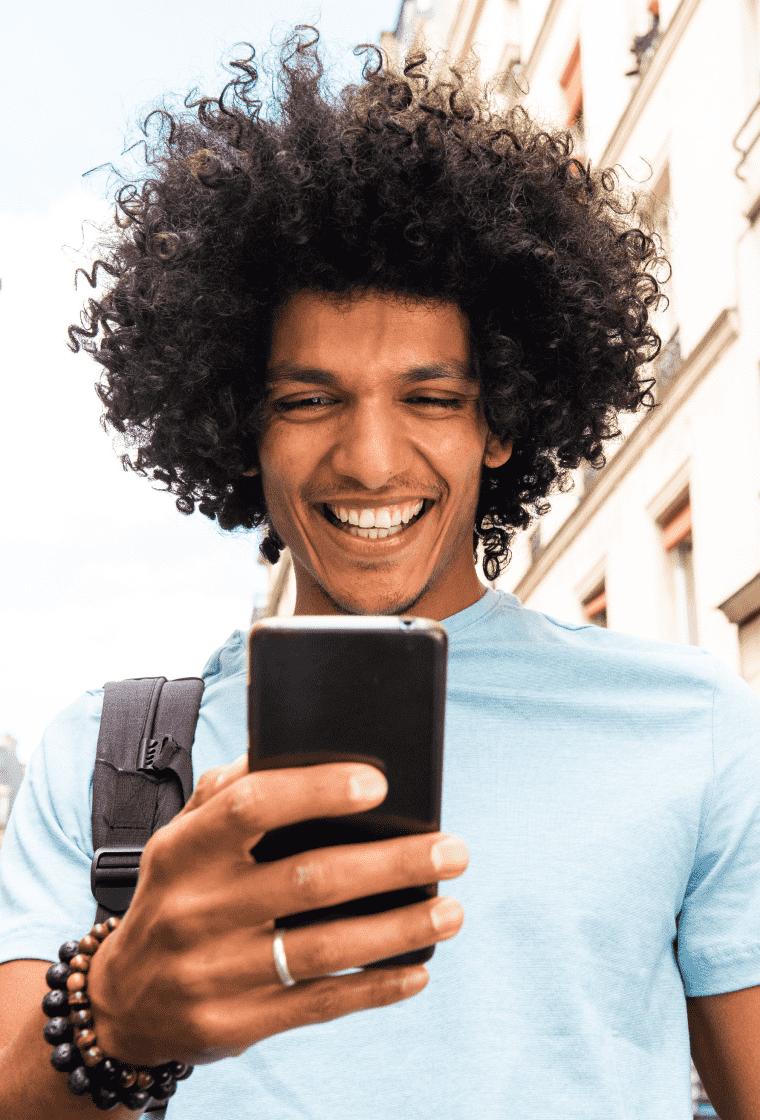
604 784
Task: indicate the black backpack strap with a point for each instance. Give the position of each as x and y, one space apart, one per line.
143 776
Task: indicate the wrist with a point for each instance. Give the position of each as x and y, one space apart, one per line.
77 1039
116 1022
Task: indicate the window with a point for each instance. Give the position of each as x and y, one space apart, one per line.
573 89
677 542
595 605
749 651
743 609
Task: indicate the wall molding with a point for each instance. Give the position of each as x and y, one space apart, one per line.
744 603
671 493
544 31
723 332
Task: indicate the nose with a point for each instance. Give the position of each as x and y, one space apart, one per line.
372 446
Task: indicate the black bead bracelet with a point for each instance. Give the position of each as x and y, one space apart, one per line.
71 1031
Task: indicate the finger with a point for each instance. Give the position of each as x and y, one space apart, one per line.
319 950
229 1025
319 1001
244 961
329 876
241 811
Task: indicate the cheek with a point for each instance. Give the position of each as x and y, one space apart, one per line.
280 473
275 486
460 462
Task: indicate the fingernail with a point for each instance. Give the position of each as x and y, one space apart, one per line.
415 980
448 853
368 784
446 915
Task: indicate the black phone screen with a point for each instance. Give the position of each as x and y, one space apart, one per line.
367 691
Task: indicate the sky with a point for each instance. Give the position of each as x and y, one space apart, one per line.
100 576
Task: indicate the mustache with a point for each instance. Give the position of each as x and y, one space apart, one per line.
315 493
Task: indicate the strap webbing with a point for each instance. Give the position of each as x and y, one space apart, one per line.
128 804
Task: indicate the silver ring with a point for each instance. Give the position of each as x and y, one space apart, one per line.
280 961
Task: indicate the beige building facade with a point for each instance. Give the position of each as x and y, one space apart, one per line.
666 539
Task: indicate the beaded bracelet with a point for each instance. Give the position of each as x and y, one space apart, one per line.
72 1032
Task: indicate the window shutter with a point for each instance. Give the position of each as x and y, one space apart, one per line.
677 528
571 84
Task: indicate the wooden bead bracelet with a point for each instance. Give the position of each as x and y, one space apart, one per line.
72 1032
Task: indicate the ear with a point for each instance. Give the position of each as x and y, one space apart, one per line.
496 453
251 473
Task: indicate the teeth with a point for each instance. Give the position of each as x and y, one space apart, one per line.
385 520
356 532
411 512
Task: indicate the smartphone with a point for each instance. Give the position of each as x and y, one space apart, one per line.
352 689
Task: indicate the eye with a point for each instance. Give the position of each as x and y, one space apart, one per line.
304 403
437 402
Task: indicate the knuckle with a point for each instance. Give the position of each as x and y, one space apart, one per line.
410 862
323 1001
244 801
157 857
202 1028
310 884
386 990
320 955
207 785
191 978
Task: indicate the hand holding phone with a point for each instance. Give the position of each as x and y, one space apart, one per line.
190 971
352 689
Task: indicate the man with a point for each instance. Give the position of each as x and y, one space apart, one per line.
384 327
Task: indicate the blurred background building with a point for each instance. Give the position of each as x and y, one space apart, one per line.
664 541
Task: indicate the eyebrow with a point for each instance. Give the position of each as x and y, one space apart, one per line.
290 372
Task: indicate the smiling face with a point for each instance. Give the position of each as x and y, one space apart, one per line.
372 452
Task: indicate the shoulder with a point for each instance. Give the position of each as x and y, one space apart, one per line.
527 651
227 662
511 625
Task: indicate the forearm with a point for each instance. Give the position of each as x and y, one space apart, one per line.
30 1089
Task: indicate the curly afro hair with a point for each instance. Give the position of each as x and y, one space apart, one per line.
409 183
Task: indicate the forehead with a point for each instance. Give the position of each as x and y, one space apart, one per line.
375 333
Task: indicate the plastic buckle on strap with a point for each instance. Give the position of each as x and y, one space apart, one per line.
147 752
151 749
113 876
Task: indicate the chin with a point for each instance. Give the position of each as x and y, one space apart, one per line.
385 604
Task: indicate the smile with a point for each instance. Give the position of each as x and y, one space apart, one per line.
386 521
